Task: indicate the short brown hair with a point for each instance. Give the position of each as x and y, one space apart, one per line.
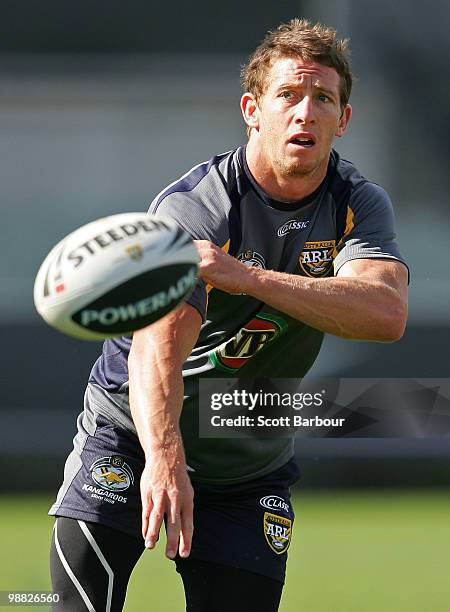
298 38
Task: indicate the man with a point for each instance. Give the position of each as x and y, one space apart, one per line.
293 243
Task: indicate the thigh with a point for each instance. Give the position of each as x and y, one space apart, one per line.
211 586
90 565
101 477
246 526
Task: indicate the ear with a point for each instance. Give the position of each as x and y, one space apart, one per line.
250 110
343 121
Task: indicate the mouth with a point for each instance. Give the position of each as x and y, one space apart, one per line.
305 141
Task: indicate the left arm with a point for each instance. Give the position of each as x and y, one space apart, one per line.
367 300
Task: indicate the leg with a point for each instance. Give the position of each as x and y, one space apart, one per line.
91 565
211 586
239 552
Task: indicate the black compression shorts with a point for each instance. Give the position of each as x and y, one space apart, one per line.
91 565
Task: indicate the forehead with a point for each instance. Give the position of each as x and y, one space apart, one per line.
290 69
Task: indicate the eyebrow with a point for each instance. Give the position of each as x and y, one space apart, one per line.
296 85
330 93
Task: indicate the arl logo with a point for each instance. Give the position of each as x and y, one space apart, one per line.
248 341
112 473
277 531
316 259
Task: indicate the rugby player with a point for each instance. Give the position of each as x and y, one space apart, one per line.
294 242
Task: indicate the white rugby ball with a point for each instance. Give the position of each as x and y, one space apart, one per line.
116 275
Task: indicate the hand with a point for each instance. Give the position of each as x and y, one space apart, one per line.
221 270
167 490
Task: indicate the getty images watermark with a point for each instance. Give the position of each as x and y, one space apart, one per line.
324 407
266 408
253 402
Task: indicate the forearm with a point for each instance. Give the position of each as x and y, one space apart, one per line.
355 308
156 397
366 301
155 379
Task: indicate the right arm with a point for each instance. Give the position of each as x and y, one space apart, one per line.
156 397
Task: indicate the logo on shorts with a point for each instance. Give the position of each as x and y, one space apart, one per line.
277 531
252 259
112 473
316 259
274 502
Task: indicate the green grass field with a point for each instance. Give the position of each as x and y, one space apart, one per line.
351 552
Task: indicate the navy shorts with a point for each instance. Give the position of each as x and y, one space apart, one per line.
246 525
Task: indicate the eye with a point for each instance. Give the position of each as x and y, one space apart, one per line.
323 97
287 95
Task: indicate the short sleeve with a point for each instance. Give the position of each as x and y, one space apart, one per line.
196 218
370 227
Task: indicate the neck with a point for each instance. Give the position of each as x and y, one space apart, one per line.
285 188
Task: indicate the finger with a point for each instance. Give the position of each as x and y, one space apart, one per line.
187 531
173 528
200 245
154 523
147 506
174 509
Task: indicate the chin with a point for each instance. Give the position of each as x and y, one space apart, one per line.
297 169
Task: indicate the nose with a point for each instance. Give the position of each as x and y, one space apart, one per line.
304 111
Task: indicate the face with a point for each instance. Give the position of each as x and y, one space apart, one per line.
297 118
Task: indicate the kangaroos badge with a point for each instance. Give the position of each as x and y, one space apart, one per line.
112 473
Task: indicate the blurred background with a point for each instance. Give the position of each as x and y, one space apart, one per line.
103 103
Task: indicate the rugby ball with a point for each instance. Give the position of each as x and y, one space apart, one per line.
116 275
